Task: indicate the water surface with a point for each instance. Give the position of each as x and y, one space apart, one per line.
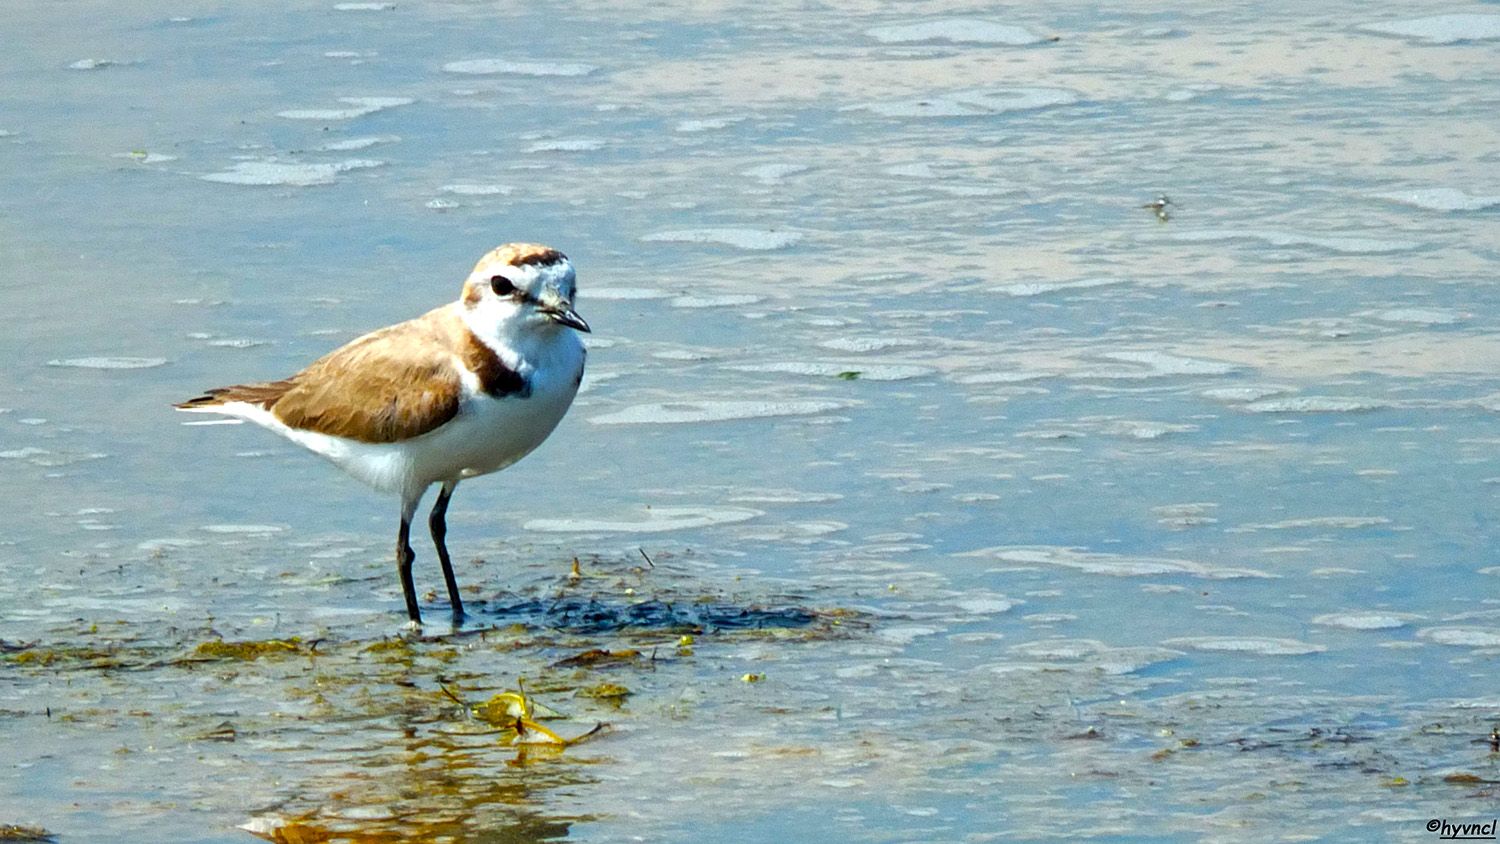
1040 516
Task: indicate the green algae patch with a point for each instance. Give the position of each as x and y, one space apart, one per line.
76 656
598 657
248 650
11 832
608 692
387 646
49 656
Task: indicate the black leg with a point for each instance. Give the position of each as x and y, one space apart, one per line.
404 558
438 523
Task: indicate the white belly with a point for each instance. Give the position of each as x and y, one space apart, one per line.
487 435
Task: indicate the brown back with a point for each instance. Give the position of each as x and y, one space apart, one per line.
389 385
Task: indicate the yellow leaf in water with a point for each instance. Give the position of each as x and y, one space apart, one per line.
530 732
503 709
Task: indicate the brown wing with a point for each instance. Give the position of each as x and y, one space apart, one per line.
390 385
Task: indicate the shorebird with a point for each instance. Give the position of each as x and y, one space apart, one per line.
461 391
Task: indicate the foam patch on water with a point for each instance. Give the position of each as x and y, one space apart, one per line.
1185 515
1419 316
868 344
1002 377
567 145
1314 404
359 107
709 124
267 173
1246 645
243 529
987 604
1366 620
1114 565
773 174
713 411
1038 288
168 543
852 371
146 157
1341 245
1440 29
752 239
92 64
1093 655
352 144
725 300
490 67
363 7
1158 365
1162 363
1340 522
979 102
109 363
784 496
1238 395
1086 655
478 190
48 459
1441 199
957 31
1464 637
656 520
624 294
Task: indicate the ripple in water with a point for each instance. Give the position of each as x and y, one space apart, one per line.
657 520
1246 645
712 411
957 31
267 173
979 102
109 363
862 372
752 239
1464 637
1440 29
1341 245
1114 565
1441 199
359 107
489 67
1366 620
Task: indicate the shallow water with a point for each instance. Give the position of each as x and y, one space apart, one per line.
1050 518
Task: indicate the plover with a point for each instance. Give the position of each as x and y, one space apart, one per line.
461 391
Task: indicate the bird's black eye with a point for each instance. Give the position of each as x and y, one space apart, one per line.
502 285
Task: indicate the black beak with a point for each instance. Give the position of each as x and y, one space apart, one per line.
565 315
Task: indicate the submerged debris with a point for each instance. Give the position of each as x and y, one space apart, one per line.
593 616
